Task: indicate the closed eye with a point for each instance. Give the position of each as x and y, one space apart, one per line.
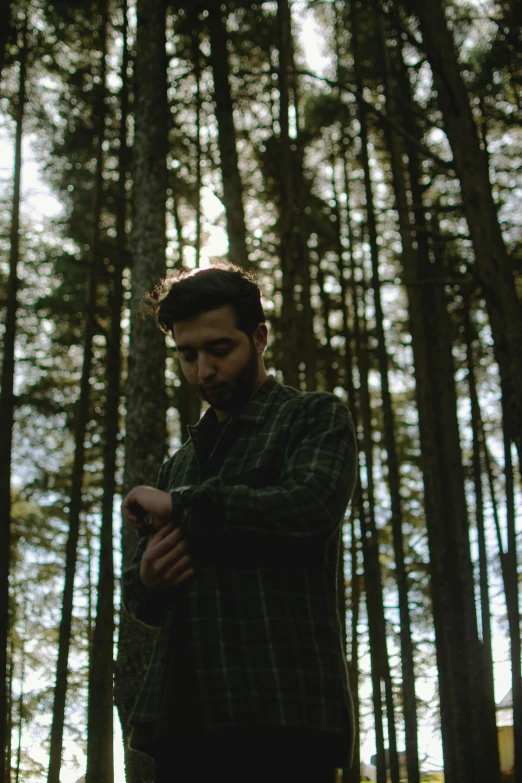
190 357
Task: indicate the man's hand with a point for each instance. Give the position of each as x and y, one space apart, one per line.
144 500
166 562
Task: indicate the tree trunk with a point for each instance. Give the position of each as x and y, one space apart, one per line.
21 694
511 576
232 187
80 424
410 702
7 404
353 775
100 751
146 399
369 538
5 18
509 568
287 357
308 343
494 269
177 223
389 427
196 58
10 707
457 646
488 707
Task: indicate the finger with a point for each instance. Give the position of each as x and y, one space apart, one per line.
172 575
161 534
127 500
186 575
162 544
173 556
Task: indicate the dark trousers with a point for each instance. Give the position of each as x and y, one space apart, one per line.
246 759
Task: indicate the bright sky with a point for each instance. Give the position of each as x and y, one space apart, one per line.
39 204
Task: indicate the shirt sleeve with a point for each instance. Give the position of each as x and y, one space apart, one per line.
315 485
145 606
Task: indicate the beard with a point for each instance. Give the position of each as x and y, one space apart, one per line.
233 395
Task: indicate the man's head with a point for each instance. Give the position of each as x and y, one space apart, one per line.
218 323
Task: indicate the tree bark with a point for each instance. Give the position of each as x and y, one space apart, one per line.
511 576
494 269
457 646
5 17
509 569
488 707
21 694
369 538
232 187
196 57
10 707
389 427
287 358
80 425
7 405
410 701
100 751
146 399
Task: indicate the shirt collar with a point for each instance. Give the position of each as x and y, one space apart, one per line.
255 411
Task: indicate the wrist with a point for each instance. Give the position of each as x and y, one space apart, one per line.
180 500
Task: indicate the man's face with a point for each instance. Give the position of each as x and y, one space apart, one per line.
219 360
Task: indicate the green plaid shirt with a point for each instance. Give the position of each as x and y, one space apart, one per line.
259 619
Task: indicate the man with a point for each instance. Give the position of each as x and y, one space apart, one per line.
239 564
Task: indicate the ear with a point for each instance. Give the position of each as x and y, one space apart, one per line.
260 337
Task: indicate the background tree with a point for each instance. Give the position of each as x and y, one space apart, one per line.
145 391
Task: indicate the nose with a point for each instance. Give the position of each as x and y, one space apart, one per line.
206 369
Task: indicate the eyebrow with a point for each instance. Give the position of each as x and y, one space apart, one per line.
209 344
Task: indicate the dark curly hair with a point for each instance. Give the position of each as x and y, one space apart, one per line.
190 293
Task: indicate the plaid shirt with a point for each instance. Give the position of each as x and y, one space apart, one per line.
263 519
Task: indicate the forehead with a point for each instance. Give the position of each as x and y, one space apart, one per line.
207 326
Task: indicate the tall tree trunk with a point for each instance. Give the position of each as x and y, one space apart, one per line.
511 575
10 707
80 424
21 694
5 27
287 357
353 775
488 707
509 568
178 225
369 538
89 589
494 269
410 709
146 398
457 646
186 401
232 187
196 58
100 752
7 404
389 426
308 342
